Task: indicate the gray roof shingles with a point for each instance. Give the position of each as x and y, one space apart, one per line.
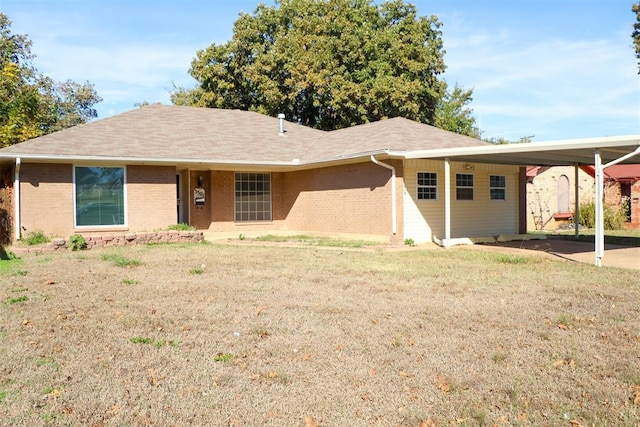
185 133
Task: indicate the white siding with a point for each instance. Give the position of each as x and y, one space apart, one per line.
469 218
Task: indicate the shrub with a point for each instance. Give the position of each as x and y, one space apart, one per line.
181 227
77 242
614 216
36 238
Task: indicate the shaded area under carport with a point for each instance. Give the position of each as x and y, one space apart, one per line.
574 250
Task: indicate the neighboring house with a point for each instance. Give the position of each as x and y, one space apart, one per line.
239 172
551 195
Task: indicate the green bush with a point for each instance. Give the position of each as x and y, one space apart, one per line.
614 216
77 242
181 227
36 238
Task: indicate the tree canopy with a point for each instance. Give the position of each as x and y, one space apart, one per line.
635 8
32 104
330 64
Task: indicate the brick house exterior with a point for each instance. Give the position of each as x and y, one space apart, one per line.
236 172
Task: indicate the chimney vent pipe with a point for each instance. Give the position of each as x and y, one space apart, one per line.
281 118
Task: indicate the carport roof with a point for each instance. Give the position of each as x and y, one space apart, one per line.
547 153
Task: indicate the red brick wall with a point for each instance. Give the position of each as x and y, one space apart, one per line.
151 197
47 198
353 199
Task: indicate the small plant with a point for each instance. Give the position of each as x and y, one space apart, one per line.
36 238
77 242
409 242
16 300
121 260
564 321
20 273
7 255
512 259
196 271
130 282
181 227
141 340
223 357
3 396
241 236
499 357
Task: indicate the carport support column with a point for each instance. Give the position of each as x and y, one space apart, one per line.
599 209
447 203
576 209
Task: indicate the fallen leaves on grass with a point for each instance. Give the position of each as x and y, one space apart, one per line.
635 397
309 421
443 384
567 361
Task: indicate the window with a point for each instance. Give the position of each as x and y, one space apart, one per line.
464 186
497 187
253 196
427 186
99 196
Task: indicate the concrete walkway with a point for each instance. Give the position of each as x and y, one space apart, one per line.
614 255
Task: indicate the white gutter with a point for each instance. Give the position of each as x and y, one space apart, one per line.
587 143
394 214
16 200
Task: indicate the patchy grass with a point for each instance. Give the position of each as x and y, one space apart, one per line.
121 260
287 336
315 241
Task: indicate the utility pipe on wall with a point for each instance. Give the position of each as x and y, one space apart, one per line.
16 200
394 214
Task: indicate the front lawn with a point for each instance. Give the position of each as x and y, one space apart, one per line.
236 334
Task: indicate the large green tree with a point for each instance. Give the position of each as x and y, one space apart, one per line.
32 104
635 8
328 64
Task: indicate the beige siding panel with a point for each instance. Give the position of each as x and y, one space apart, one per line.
469 218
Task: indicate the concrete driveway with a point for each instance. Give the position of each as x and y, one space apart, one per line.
614 255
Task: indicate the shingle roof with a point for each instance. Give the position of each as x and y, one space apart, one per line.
186 133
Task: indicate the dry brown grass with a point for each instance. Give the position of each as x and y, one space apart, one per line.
254 335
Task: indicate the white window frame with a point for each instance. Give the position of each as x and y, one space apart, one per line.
237 214
430 186
503 188
124 225
466 187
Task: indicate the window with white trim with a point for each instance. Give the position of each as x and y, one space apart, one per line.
99 196
252 197
497 187
427 186
464 186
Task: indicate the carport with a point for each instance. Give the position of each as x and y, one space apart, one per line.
600 152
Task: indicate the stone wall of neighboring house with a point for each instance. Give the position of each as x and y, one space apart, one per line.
542 196
613 197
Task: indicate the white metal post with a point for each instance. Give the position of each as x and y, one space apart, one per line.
447 203
599 209
576 209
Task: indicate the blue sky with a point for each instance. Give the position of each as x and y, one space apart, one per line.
555 69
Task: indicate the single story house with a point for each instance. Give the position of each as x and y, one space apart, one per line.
241 172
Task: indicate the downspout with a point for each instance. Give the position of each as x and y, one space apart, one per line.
16 200
394 210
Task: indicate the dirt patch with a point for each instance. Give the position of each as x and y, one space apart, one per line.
215 334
